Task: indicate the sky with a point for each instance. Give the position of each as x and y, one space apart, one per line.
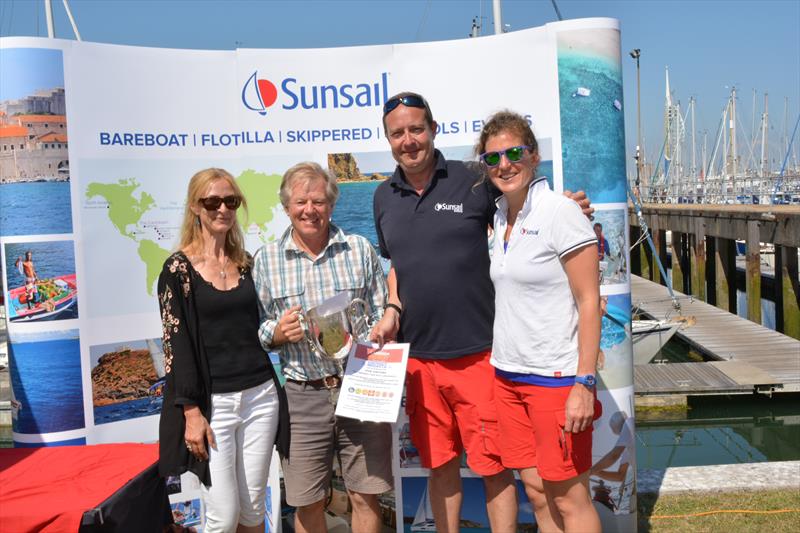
48 74
708 45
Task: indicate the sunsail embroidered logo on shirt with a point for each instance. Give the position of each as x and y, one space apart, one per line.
455 208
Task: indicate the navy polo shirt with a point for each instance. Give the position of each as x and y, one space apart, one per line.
438 247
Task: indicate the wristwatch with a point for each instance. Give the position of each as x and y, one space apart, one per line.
587 380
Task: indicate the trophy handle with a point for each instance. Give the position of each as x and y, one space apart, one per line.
359 321
311 339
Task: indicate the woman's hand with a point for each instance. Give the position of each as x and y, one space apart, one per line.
197 433
289 328
579 409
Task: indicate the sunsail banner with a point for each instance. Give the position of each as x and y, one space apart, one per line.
98 142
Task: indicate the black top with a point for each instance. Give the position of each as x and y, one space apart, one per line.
229 322
437 243
188 379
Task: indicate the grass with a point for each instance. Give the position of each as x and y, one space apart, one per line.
651 507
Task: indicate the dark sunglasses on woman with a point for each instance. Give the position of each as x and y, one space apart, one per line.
212 203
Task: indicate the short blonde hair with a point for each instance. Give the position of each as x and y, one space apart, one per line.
192 237
308 171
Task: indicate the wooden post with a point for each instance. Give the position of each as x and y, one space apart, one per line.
636 258
657 236
676 245
662 249
711 271
725 273
787 291
753 272
698 267
645 260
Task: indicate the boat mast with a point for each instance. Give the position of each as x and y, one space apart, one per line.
498 17
51 31
764 157
694 152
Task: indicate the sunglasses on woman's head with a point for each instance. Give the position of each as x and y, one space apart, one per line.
514 154
212 203
408 101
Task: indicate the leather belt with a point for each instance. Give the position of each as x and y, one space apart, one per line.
328 382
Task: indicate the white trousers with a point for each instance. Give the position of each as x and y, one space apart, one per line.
244 425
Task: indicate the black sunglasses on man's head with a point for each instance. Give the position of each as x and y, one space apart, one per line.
408 101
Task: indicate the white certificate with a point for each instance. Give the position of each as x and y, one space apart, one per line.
373 382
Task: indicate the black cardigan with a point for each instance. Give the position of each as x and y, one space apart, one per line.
190 383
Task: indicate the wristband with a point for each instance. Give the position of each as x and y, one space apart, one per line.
393 306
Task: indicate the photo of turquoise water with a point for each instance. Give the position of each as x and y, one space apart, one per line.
37 208
592 122
46 381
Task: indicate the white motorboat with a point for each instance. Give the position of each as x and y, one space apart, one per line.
649 336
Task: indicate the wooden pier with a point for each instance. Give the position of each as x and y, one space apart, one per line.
703 255
747 357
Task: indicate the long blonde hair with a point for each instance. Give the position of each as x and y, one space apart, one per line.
191 234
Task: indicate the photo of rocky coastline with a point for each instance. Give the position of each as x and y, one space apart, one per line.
126 380
345 168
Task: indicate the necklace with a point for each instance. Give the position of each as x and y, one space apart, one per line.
222 273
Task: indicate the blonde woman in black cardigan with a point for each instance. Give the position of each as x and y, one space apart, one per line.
222 399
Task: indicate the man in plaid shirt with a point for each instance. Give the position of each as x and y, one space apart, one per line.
313 261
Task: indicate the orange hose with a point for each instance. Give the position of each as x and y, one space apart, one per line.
705 513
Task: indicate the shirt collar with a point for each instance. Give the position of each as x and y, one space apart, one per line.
537 185
336 237
439 170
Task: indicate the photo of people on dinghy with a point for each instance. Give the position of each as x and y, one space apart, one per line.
48 299
40 281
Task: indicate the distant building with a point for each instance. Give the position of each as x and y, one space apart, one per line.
33 147
50 101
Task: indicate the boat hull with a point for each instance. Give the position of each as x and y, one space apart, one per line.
50 307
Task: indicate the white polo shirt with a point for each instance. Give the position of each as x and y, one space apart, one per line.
536 319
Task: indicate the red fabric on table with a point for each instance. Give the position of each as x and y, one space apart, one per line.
48 489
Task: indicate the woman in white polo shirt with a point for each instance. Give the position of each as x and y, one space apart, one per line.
546 330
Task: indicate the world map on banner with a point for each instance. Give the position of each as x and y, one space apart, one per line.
147 215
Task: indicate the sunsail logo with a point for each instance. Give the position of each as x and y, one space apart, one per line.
258 94
455 208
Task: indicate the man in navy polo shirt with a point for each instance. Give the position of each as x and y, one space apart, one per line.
431 222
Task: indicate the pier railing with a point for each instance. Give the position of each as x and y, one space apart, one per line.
703 255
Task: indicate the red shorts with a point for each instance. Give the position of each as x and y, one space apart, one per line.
450 406
531 419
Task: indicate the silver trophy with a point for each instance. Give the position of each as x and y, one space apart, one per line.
331 327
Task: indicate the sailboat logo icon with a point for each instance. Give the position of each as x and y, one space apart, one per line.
259 94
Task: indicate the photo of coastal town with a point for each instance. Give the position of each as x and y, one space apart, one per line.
34 161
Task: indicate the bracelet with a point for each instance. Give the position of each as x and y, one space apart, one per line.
393 306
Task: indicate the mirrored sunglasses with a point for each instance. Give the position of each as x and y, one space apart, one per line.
514 154
212 203
408 101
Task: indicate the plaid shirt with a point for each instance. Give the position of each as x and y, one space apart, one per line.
282 273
